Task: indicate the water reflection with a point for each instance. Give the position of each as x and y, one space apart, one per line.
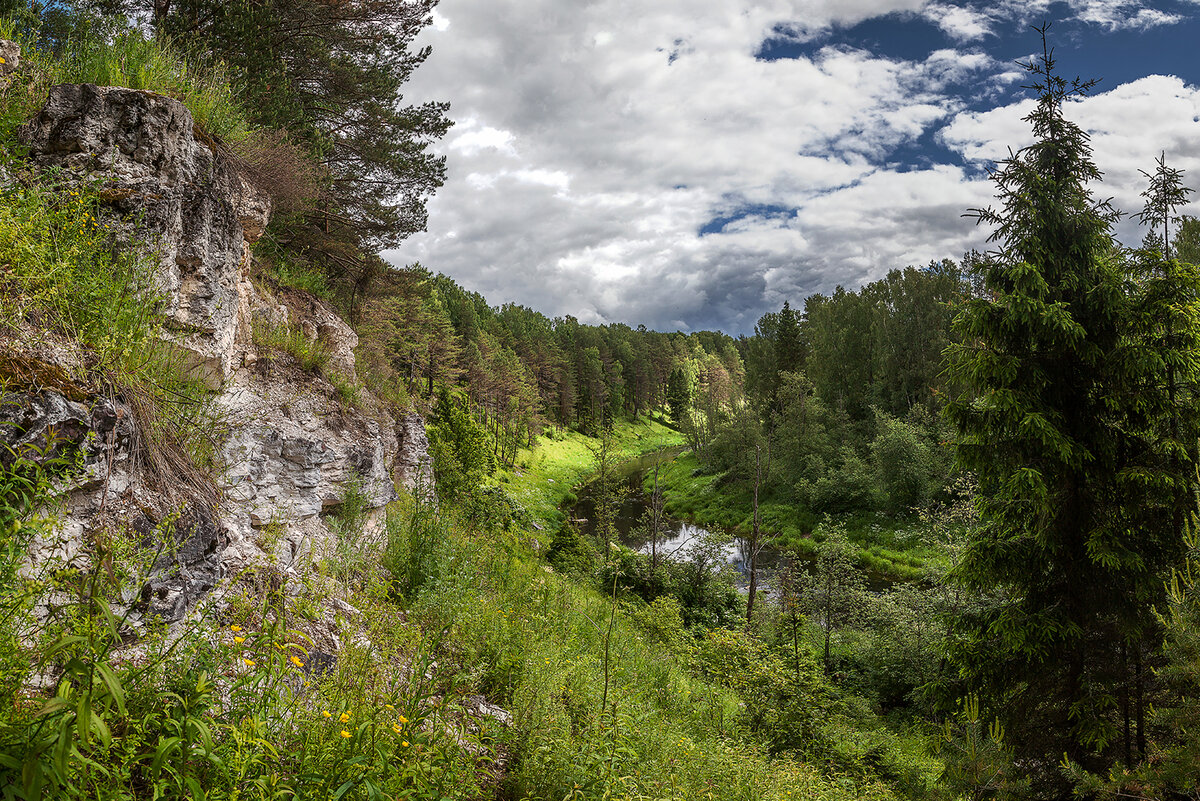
680 539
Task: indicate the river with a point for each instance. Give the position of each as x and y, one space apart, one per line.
681 535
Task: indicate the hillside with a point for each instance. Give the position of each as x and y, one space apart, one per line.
281 519
226 572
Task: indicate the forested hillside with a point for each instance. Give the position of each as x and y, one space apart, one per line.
963 496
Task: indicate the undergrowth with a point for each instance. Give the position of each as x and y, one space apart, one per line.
548 475
115 55
886 548
233 704
311 354
609 698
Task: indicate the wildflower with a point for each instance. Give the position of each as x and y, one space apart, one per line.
239 639
249 662
345 733
235 628
396 729
345 718
295 660
403 719
325 713
388 706
404 743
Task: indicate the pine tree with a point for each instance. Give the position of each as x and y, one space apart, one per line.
1065 420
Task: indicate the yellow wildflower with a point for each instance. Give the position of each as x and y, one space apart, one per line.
345 718
403 719
239 639
396 729
404 743
235 628
345 733
296 661
388 706
249 662
325 714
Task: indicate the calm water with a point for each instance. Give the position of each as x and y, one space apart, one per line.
682 537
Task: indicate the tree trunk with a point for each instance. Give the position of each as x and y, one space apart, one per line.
754 539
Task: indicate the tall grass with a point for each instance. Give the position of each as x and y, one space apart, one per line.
644 728
111 54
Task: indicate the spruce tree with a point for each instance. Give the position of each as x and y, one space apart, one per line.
1065 419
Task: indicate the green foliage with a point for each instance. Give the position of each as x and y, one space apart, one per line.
462 456
571 552
311 354
214 714
834 593
979 764
908 469
108 53
1080 426
535 642
59 268
289 270
679 396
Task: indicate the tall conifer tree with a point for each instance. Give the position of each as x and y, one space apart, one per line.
1065 421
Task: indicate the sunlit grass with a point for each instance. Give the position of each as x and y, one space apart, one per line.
549 474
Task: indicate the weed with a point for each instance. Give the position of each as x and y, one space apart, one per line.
311 354
349 392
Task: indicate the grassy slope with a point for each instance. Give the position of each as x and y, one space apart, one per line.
533 640
888 547
548 474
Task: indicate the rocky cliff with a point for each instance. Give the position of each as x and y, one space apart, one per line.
288 449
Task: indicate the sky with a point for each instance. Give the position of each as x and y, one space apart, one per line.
692 164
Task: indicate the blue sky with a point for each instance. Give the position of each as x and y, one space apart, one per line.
691 164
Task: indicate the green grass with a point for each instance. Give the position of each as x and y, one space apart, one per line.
550 474
125 57
311 354
534 641
289 271
890 548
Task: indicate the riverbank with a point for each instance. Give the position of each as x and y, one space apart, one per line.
890 548
546 478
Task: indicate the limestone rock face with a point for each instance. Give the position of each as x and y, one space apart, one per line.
292 454
87 445
10 61
414 465
168 188
289 448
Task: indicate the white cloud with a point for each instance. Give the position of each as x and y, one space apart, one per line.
1118 14
963 24
594 140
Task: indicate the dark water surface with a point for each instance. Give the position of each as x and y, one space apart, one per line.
681 536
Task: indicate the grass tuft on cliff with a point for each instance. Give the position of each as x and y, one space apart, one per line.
117 56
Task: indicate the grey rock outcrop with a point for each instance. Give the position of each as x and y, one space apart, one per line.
10 61
292 455
170 189
87 447
414 464
188 564
290 448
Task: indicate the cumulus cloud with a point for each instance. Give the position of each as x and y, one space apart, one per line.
623 161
